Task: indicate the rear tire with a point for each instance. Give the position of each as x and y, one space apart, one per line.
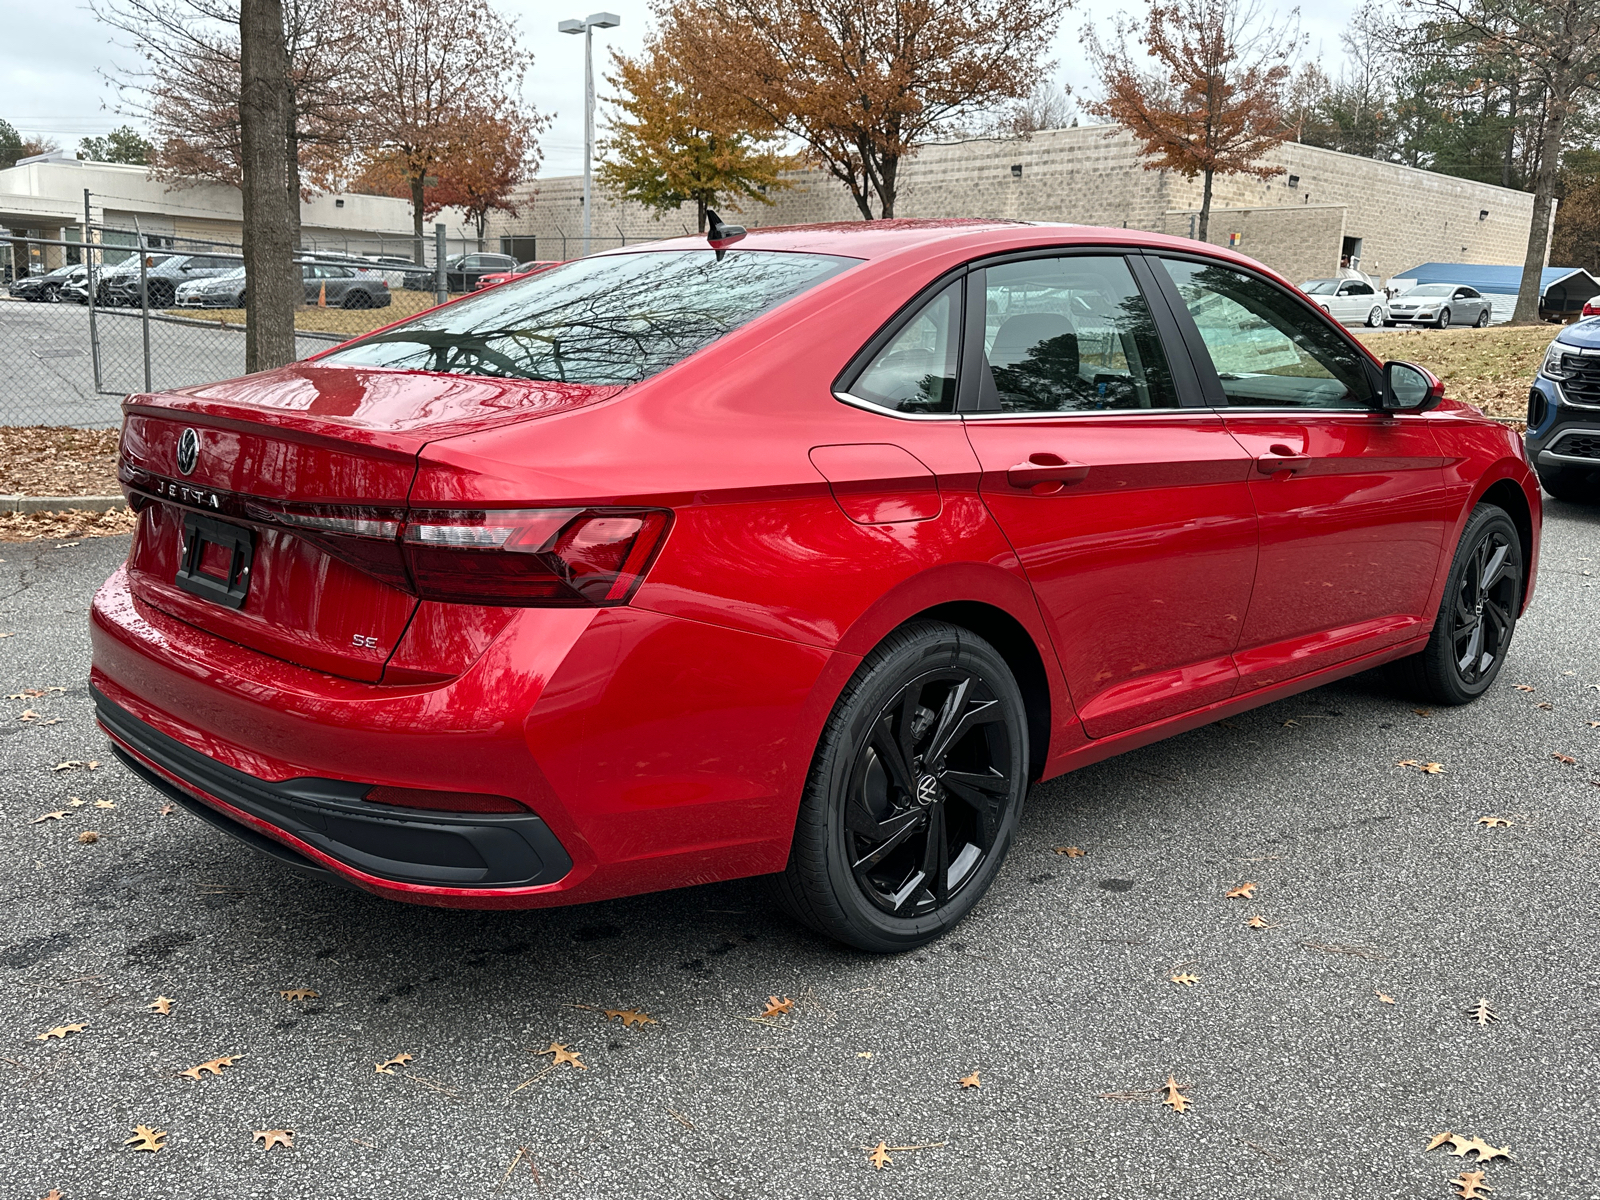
914 793
1375 318
1477 616
1575 487
357 299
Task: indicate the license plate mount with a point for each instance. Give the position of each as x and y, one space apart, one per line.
222 575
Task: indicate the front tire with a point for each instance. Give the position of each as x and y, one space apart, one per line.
1483 319
1477 615
1444 319
914 793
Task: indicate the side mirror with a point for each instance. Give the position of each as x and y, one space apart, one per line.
1409 388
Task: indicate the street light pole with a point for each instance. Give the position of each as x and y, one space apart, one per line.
587 27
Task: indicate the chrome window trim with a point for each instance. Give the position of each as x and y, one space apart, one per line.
1177 410
869 406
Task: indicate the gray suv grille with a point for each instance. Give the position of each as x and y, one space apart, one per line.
1577 445
1582 383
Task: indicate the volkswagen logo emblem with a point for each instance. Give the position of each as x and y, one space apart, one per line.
927 790
188 450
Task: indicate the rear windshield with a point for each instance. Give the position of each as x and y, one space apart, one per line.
613 319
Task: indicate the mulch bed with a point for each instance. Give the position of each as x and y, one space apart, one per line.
50 460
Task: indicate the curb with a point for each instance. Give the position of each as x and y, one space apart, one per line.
33 504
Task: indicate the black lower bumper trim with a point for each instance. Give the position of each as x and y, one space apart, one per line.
476 850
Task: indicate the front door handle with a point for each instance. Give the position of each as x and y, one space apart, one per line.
1046 468
1271 464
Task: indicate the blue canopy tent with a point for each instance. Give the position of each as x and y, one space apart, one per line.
1562 290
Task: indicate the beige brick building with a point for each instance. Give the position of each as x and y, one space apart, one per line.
1319 207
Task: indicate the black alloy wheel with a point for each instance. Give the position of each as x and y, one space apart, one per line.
1444 319
161 294
1477 615
914 794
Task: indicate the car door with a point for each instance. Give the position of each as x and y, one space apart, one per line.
1351 498
1342 308
1126 501
1469 303
338 281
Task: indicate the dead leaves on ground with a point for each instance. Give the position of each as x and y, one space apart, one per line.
560 1054
1069 851
274 1137
161 1004
214 1066
51 816
776 1007
1469 1185
1494 822
970 1081
1174 1098
387 1067
629 1017
1244 891
879 1154
1463 1146
1483 1013
73 764
1187 980
88 837
1383 997
61 1031
146 1138
1565 759
298 994
1427 768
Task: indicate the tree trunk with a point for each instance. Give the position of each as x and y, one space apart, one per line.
700 214
416 215
1205 209
273 291
1527 310
888 188
293 161
1511 132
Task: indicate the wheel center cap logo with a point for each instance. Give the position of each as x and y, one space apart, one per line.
188 450
927 790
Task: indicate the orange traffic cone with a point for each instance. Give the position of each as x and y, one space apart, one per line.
322 296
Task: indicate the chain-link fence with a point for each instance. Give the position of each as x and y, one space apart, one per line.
86 323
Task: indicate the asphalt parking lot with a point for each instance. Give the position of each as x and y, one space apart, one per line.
1373 879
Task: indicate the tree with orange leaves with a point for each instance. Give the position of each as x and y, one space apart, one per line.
1214 105
861 84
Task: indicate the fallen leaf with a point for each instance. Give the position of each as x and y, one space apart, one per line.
970 1081
74 802
160 1004
1463 1146
6 635
166 810
27 714
1260 922
1423 712
1494 822
1594 724
1544 704
1245 891
61 1031
563 1055
1387 999
387 1068
26 694
274 1137
880 1156
1174 1098
299 994
70 764
1469 1185
54 816
145 1138
864 1054
214 1066
88 837
1483 1012
1565 758
1289 722
776 1007
1069 851
1186 979
105 804
629 1016
1432 768
1523 687
53 1193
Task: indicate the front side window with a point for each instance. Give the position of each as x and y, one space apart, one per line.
1268 349
916 371
1072 334
611 319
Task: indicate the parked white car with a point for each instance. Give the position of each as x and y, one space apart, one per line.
1348 301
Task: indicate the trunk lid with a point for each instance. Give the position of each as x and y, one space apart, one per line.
337 438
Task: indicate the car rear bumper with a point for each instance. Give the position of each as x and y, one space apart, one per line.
655 752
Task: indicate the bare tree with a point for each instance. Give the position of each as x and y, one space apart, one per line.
1215 103
272 290
1556 44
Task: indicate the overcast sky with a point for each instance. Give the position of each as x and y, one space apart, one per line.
53 83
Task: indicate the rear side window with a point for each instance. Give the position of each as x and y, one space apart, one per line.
612 319
916 371
1268 349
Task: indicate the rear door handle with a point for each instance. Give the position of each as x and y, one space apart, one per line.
1046 468
1271 464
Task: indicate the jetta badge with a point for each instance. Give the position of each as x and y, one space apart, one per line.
188 450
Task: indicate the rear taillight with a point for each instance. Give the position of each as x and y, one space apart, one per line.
539 556
366 538
427 798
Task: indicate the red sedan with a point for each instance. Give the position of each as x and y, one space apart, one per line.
520 271
801 554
